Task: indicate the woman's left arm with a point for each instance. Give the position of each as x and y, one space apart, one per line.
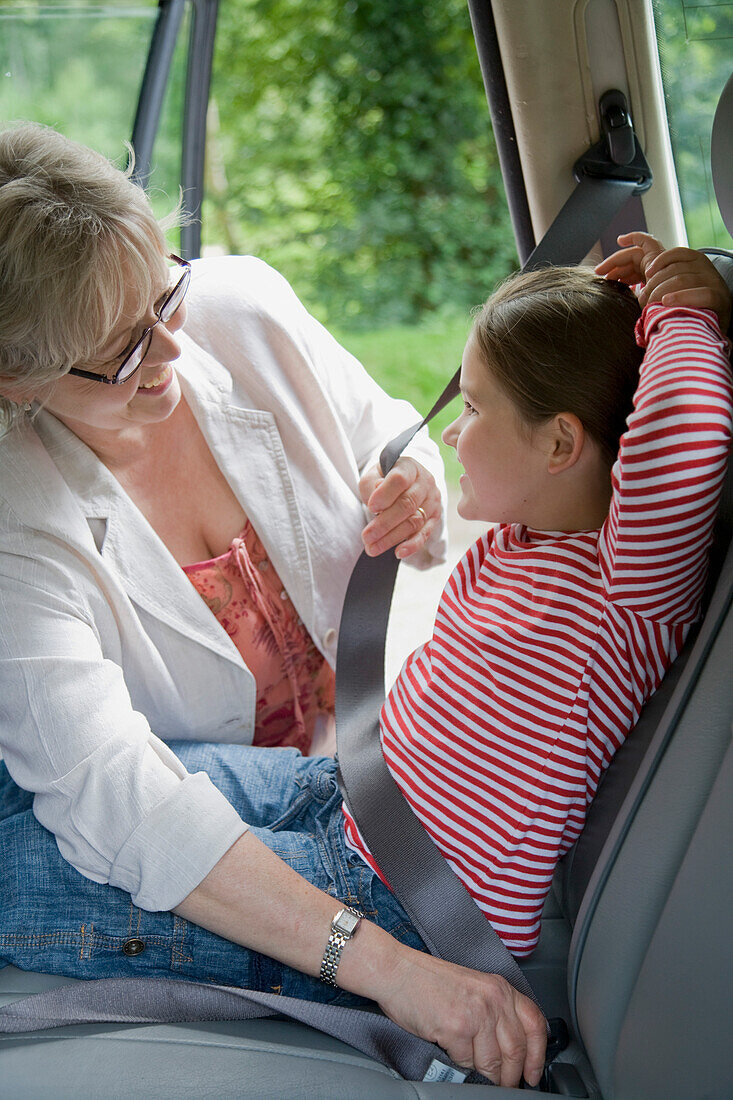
252 898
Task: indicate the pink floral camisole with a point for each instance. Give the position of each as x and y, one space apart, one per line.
295 684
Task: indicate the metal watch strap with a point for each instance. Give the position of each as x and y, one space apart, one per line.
337 940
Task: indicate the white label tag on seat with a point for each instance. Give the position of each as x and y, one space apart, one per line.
439 1071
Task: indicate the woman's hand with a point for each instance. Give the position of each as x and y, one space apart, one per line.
255 899
479 1020
406 505
675 277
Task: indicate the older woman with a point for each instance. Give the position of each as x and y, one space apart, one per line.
156 458
176 432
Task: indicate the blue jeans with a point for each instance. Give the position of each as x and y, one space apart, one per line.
54 920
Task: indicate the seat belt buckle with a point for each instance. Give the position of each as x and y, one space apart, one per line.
557 1039
618 155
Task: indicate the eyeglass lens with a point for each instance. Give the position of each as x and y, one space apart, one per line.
136 357
169 307
171 304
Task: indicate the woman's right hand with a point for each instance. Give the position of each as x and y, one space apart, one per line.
479 1020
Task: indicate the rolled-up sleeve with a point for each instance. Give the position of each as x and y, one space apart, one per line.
121 805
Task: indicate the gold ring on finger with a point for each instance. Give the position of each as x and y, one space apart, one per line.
423 513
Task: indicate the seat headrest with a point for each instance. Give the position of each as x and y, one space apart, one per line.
721 155
723 261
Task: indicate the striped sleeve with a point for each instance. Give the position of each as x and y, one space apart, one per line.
672 460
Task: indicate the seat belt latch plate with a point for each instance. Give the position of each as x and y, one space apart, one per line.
618 154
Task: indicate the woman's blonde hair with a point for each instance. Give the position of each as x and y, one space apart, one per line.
562 339
77 237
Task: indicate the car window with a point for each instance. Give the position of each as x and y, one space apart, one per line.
350 146
694 38
78 66
57 61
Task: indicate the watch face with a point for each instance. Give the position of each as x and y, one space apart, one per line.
346 921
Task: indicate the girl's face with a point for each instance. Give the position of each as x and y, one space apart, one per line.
504 466
90 408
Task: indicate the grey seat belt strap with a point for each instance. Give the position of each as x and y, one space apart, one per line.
592 204
156 1000
449 922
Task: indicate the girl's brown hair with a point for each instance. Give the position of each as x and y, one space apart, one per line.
561 339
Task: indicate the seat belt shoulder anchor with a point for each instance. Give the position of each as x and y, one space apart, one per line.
618 155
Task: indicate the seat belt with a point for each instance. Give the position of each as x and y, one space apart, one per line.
605 183
168 1000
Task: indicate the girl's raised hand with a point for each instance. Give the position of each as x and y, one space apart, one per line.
629 264
675 277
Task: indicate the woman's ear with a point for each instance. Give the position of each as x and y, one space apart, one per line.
8 390
566 439
17 391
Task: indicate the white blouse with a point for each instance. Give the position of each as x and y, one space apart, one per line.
107 650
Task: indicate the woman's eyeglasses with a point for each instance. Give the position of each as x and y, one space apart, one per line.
134 357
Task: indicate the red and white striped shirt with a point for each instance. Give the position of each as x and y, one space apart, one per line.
546 645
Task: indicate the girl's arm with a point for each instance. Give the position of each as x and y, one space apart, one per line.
672 459
253 898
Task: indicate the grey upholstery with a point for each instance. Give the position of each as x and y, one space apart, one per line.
651 959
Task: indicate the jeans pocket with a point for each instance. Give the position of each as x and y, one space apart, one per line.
349 875
360 886
295 811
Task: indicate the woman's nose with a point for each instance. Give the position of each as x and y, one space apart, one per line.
164 347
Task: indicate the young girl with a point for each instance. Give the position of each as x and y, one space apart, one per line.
551 633
560 622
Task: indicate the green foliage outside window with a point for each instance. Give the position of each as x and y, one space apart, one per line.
78 66
350 145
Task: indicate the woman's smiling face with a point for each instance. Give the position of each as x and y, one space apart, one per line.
149 396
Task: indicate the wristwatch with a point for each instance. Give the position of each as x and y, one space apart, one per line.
343 928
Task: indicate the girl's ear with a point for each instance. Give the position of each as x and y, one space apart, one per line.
566 439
